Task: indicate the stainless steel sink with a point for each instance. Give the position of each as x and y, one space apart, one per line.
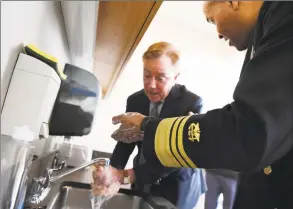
74 195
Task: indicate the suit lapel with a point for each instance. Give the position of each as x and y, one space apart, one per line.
170 105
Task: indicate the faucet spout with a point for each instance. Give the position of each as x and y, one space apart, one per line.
101 161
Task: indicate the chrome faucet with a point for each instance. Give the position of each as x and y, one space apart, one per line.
41 186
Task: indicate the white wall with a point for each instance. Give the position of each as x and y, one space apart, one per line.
81 26
36 22
210 67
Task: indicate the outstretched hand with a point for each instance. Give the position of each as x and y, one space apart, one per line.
129 130
132 119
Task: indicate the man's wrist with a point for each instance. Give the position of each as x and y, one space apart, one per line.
127 176
120 176
131 175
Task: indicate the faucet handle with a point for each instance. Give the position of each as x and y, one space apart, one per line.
50 171
58 167
41 185
56 164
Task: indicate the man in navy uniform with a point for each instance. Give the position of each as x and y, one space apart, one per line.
161 97
252 135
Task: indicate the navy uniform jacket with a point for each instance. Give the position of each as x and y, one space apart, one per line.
180 101
253 134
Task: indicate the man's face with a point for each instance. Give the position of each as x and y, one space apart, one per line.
234 22
158 78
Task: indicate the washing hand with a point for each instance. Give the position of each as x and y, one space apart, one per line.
107 181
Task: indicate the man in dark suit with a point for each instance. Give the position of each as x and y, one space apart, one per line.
161 97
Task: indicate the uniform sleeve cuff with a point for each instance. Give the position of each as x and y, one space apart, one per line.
149 141
147 173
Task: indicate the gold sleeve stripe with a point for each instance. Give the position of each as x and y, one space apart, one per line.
181 146
174 144
162 143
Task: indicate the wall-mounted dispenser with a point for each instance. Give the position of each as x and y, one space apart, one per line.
39 99
76 103
31 96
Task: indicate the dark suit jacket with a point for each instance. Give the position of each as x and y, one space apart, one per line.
165 181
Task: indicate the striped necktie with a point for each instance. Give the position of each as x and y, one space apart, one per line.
155 109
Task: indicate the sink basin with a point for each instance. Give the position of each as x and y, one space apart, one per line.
75 195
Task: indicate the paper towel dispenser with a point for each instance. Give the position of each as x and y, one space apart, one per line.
76 102
38 98
31 96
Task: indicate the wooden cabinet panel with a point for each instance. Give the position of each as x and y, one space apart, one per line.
121 25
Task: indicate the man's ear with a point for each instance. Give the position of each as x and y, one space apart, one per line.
233 4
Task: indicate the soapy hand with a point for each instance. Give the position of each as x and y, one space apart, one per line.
107 181
104 191
129 130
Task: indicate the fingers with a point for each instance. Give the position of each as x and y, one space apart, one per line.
128 135
95 174
118 119
98 172
99 167
98 178
105 184
123 118
101 176
110 190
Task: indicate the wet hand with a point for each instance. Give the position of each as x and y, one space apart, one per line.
107 180
105 176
